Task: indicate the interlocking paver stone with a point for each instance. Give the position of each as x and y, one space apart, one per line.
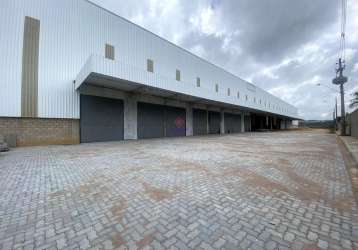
312 236
270 245
322 244
287 190
289 237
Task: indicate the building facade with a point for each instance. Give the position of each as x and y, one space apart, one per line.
74 72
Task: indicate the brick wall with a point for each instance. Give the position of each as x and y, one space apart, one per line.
35 131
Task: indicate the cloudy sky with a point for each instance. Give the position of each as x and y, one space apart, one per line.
286 47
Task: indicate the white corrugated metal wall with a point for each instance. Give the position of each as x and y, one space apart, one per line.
73 30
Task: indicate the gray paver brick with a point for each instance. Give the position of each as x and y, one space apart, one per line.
322 244
312 236
289 237
270 245
182 193
61 243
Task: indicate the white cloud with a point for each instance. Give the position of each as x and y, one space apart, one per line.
204 22
355 68
326 116
198 50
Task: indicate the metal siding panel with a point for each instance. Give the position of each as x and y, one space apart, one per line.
200 120
102 119
30 60
11 45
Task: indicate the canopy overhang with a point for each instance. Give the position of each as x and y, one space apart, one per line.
102 72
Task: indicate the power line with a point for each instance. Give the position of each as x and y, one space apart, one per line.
342 48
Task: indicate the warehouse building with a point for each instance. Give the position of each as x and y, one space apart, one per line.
74 72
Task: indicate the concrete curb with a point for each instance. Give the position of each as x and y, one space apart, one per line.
351 144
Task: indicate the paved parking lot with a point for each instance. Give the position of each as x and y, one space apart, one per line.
285 190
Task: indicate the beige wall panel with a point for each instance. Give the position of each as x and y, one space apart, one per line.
30 63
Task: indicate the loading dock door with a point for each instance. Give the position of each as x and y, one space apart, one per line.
150 120
175 122
101 119
214 122
156 121
232 123
200 120
247 123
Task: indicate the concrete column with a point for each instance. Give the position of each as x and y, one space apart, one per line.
207 121
250 126
242 122
253 120
130 117
189 119
222 122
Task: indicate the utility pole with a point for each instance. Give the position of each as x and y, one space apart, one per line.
334 119
336 110
341 80
336 115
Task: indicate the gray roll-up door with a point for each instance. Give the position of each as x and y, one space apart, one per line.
200 120
160 121
247 123
214 122
150 120
232 123
175 121
101 119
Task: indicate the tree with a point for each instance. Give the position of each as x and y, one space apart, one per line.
354 100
